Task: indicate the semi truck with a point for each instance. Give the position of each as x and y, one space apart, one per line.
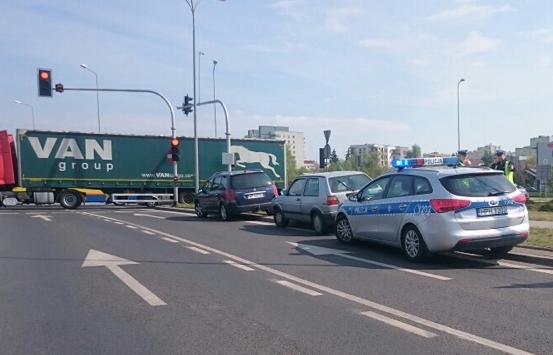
47 167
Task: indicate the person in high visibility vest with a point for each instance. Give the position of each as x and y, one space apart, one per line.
463 161
505 165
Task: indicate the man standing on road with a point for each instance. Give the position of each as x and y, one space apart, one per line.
506 166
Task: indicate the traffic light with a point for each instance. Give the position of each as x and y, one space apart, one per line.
187 106
175 153
322 162
44 83
59 88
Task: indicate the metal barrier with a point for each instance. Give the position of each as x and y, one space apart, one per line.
149 199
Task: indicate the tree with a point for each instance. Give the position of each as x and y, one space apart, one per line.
487 158
291 170
348 155
414 152
334 157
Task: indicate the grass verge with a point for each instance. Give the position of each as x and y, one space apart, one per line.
540 216
540 237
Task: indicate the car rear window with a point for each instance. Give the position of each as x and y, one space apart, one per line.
249 181
348 182
478 185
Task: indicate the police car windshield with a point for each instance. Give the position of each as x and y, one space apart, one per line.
477 185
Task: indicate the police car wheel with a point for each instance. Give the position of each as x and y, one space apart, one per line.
413 245
344 234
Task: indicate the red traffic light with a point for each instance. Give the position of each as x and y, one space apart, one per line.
175 142
44 82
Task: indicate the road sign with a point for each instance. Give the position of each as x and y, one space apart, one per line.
327 151
327 135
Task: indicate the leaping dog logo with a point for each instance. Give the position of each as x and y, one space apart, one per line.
248 156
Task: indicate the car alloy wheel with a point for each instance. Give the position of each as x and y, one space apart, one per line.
319 224
198 209
413 245
279 218
344 233
225 216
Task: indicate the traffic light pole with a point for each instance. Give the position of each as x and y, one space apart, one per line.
173 129
227 133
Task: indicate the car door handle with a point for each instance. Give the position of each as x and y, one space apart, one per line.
298 199
402 206
374 208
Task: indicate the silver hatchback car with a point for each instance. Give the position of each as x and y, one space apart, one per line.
314 198
423 208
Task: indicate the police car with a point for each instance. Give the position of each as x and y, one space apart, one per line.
431 205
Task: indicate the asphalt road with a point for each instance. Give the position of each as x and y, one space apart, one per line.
116 280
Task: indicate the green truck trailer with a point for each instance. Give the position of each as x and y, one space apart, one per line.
45 167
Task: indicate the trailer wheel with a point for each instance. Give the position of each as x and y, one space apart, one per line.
186 197
70 199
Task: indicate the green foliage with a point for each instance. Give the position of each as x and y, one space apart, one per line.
487 158
333 157
540 206
414 152
292 171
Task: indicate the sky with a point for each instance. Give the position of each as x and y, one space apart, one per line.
385 72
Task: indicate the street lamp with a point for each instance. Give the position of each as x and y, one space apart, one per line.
214 106
97 97
199 74
458 120
193 5
32 110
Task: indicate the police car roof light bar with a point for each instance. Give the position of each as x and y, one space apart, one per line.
419 162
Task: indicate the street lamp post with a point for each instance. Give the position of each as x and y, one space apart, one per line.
32 110
214 106
458 120
199 75
193 5
84 66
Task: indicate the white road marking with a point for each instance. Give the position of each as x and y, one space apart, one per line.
170 240
259 222
118 222
240 266
401 325
297 287
8 213
46 218
112 262
316 250
148 215
544 270
198 250
148 232
463 256
365 302
131 226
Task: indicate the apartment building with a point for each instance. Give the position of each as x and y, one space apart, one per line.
295 141
385 153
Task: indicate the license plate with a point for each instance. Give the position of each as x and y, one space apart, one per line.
491 211
255 196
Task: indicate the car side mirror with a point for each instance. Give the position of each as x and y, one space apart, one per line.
352 197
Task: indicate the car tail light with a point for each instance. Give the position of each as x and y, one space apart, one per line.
448 205
520 198
275 191
229 195
332 200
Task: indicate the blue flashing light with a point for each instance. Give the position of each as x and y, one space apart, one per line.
418 162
